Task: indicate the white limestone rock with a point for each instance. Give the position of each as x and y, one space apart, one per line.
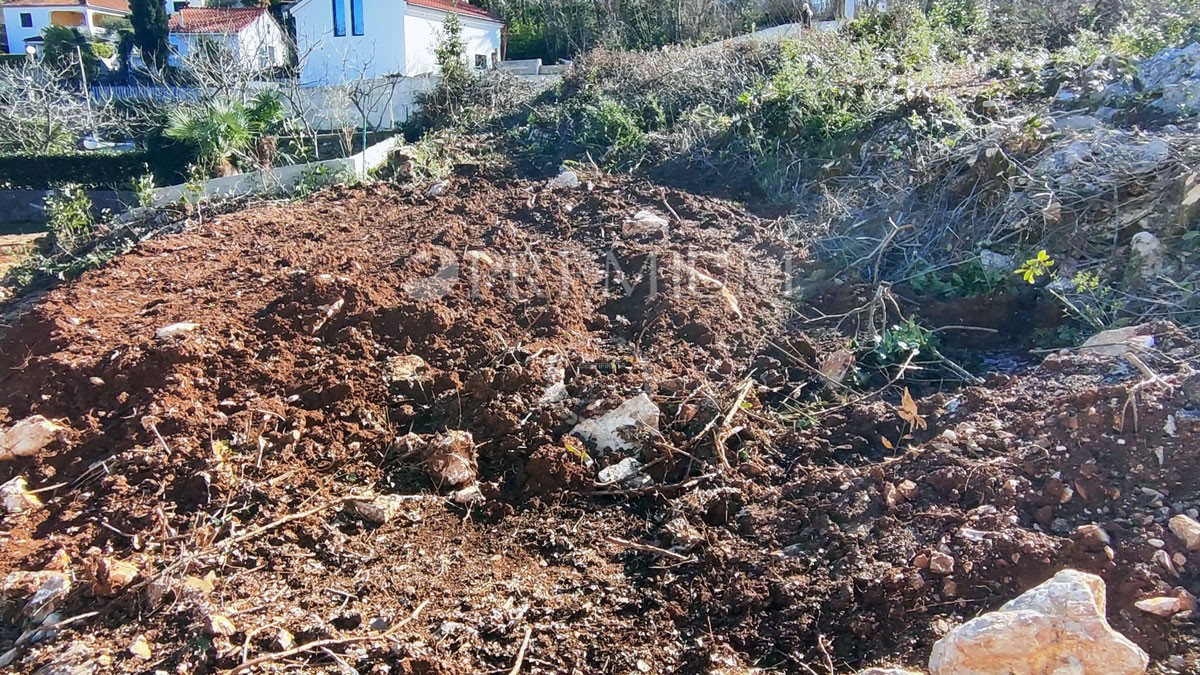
1057 628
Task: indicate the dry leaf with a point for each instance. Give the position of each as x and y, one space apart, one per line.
886 443
909 413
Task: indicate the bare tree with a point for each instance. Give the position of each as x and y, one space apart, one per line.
39 112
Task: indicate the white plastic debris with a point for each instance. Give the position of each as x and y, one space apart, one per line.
167 332
451 459
618 429
27 437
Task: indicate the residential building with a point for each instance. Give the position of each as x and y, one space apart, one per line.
340 40
24 20
249 34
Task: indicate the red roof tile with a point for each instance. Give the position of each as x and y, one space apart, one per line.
225 20
115 5
463 8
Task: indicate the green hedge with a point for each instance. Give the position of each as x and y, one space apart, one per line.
94 169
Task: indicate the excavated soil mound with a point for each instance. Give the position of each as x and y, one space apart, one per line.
260 473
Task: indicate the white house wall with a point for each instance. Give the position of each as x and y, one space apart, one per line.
264 32
183 44
423 29
327 59
41 19
397 41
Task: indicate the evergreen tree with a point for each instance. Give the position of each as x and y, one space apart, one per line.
149 21
63 48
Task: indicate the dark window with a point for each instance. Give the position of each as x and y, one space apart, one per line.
339 17
179 6
26 20
356 17
481 61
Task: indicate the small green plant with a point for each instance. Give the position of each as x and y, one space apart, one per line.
317 177
1091 301
902 341
194 186
144 188
1036 267
965 280
70 221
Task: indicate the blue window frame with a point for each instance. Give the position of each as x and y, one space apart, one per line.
356 17
339 17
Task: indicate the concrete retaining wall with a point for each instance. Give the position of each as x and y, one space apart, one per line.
29 206
274 181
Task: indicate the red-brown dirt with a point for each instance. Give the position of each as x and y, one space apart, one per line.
216 461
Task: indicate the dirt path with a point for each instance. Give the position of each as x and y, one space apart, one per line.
326 332
13 248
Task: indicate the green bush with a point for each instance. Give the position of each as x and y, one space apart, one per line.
612 133
901 31
809 103
91 169
69 216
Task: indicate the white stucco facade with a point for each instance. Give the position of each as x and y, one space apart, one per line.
89 20
423 29
259 46
398 39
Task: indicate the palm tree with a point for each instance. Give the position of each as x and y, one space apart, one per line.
225 132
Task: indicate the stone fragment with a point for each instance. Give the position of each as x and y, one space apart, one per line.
941 563
140 648
27 437
284 640
1162 606
109 576
644 223
1093 534
219 625
16 496
626 473
1056 628
167 332
1187 529
1117 341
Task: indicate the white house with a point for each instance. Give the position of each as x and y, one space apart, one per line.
339 40
250 34
24 20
